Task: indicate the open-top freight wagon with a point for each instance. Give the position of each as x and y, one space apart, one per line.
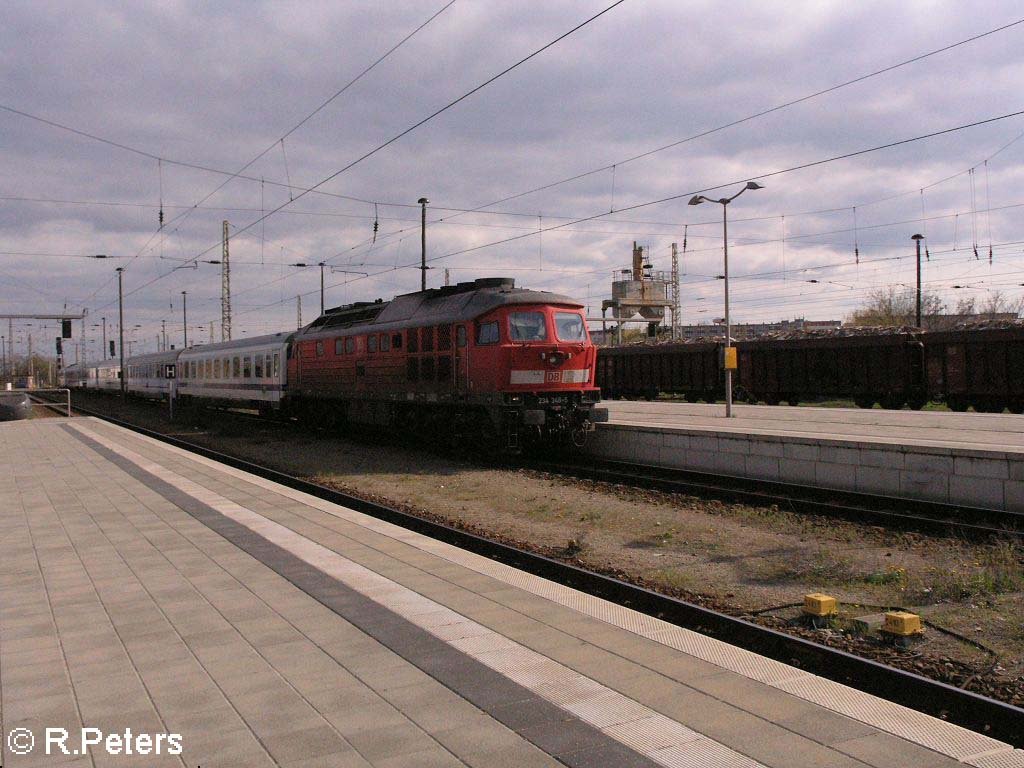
979 366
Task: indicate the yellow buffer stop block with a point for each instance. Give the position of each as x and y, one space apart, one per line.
818 604
902 624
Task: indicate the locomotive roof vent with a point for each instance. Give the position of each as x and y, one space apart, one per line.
505 283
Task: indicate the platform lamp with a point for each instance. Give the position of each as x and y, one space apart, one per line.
729 356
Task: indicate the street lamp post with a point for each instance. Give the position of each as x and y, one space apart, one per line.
728 360
917 240
120 324
184 316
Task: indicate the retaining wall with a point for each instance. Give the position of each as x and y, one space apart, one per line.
977 478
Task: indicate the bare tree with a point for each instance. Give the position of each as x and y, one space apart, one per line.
888 306
999 303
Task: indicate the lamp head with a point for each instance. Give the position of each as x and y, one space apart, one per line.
917 237
754 185
696 200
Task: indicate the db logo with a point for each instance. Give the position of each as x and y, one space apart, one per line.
553 377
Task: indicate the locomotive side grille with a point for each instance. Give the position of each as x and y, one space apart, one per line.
444 338
444 368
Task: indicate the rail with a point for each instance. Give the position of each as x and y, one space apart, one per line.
930 516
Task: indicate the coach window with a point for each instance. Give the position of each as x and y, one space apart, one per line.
339 346
385 342
371 343
258 366
192 370
266 365
487 333
414 336
216 368
396 340
350 345
319 349
247 367
236 367
277 364
460 336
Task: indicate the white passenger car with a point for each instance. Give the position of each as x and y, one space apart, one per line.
150 375
105 376
244 373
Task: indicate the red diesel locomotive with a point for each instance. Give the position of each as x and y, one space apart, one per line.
482 361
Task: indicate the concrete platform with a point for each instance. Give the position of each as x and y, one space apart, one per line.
144 588
958 458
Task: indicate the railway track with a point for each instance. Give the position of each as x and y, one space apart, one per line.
997 719
898 513
932 517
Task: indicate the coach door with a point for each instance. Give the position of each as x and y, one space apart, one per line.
461 358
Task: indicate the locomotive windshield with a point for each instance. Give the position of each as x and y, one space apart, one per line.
527 326
569 327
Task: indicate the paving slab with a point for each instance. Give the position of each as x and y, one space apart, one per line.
147 588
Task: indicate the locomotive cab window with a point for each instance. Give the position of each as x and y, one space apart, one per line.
339 346
527 326
569 327
460 336
396 340
487 333
319 349
371 344
385 342
350 345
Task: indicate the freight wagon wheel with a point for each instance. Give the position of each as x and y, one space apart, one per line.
956 403
916 403
864 402
794 400
988 406
1017 406
691 397
891 402
771 400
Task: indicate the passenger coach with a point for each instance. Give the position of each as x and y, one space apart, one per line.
245 373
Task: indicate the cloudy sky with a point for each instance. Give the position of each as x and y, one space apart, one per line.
216 85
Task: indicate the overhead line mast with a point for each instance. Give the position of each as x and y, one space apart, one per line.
225 287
